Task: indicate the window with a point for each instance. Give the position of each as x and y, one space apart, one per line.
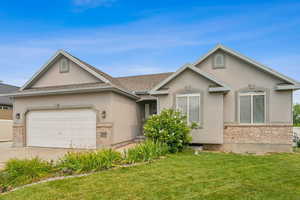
252 109
150 109
189 104
219 61
64 66
5 108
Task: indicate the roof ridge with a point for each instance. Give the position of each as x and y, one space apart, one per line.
143 75
9 85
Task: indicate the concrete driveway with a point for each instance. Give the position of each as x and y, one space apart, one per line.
7 152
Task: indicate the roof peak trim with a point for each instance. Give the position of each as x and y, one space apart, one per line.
191 67
45 67
248 60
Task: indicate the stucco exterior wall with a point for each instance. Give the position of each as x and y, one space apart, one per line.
239 75
97 101
53 77
126 118
211 130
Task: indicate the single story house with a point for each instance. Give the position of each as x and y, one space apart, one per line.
239 104
6 105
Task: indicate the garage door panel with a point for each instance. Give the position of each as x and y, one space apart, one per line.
63 129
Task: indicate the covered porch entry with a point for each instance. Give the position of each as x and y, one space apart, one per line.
148 107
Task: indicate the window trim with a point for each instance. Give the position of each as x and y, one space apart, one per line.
188 104
251 94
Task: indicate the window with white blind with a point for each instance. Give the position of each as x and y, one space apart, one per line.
189 104
252 108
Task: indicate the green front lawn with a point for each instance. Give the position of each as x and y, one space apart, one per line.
209 176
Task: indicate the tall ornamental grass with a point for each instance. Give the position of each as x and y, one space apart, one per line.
78 162
20 172
146 151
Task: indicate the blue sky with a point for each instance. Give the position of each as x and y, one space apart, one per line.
127 37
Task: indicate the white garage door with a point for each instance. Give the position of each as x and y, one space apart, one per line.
64 129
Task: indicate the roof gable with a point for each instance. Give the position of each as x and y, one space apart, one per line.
198 71
58 55
247 60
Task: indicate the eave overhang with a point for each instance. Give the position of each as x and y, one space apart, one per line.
71 91
287 87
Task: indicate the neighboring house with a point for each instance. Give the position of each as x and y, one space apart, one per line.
239 104
6 112
296 131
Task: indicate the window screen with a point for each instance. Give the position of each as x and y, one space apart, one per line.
189 105
258 109
252 108
245 109
194 109
182 104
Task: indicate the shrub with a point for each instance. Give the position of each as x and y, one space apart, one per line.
298 143
19 172
169 127
146 151
4 182
77 162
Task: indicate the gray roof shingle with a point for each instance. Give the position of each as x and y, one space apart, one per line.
142 82
4 89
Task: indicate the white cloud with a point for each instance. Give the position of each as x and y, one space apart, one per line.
93 3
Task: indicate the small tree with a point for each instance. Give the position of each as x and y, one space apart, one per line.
169 127
296 114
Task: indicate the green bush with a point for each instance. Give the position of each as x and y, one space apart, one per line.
298 143
19 172
4 182
77 162
146 151
169 127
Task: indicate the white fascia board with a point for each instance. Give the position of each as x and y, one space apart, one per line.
162 92
256 64
287 87
53 58
70 91
218 89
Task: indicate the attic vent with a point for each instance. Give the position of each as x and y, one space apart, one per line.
64 66
219 61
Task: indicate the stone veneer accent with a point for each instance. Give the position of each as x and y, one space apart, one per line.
104 135
263 134
19 137
255 138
